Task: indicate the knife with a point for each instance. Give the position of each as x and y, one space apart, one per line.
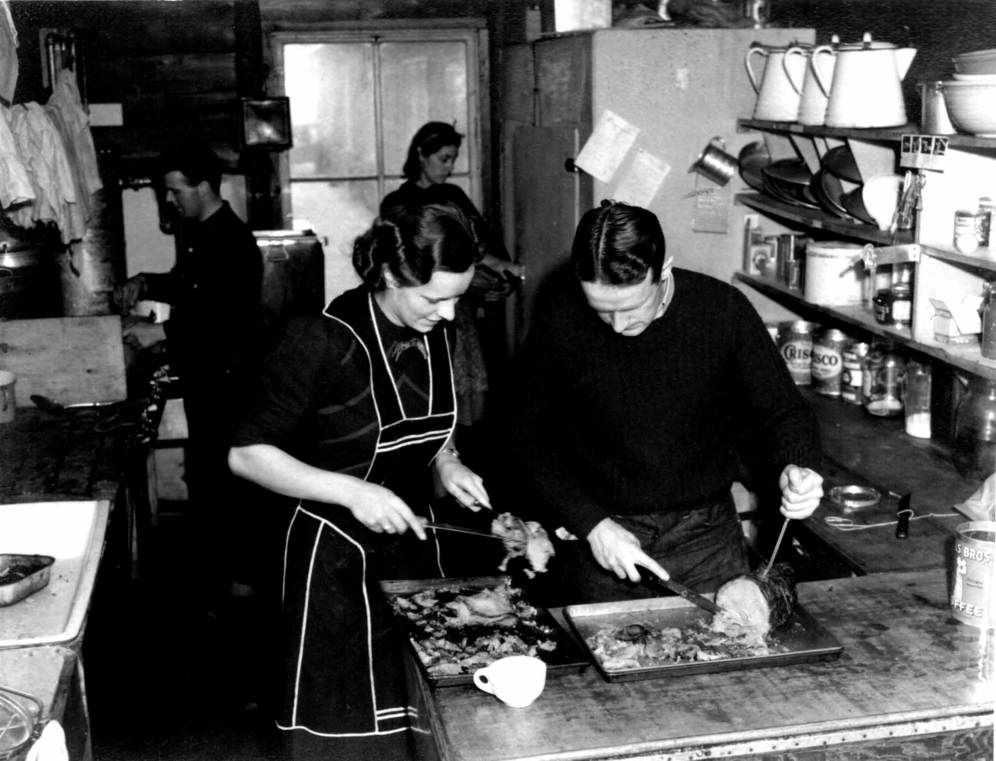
683 591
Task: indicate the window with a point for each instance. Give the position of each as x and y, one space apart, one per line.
356 99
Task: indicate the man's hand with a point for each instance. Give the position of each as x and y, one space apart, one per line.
802 490
618 550
128 294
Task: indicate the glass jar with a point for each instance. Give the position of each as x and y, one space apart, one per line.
901 308
885 396
883 306
974 448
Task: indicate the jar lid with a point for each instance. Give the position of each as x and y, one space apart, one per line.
901 289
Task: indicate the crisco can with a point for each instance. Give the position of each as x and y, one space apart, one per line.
795 344
827 361
850 375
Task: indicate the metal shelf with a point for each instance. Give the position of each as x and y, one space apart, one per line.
965 357
882 134
820 220
983 259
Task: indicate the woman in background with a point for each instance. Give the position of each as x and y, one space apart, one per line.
355 406
431 157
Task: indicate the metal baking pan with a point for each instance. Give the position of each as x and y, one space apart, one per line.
22 575
801 639
566 657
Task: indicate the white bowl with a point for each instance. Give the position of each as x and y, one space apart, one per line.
976 62
971 106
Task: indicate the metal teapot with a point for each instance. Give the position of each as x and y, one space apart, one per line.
779 87
866 90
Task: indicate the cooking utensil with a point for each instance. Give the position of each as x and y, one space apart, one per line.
778 543
752 158
801 640
48 405
680 589
839 161
866 90
780 84
458 530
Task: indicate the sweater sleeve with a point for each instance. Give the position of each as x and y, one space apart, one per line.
537 419
781 428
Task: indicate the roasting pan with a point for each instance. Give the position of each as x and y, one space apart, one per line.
801 639
566 657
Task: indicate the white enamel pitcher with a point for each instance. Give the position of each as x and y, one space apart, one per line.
777 94
813 97
867 86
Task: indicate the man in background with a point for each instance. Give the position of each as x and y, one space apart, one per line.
212 337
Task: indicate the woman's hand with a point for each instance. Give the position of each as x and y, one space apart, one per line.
461 482
381 510
618 551
802 490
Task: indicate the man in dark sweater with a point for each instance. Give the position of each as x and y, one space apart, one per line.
643 389
213 345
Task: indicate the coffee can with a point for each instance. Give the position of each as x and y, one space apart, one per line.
795 344
973 579
827 361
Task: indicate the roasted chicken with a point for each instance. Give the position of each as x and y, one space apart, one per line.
526 539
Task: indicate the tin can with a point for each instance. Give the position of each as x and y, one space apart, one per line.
972 587
967 230
795 344
851 372
827 362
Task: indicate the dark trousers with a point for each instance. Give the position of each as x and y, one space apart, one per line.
701 548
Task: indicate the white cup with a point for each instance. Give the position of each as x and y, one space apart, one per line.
7 405
516 680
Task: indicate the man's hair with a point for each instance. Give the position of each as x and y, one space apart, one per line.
617 244
196 161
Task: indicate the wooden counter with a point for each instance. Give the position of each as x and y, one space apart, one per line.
862 449
912 683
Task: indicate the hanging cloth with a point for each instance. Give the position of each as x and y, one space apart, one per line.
15 181
9 67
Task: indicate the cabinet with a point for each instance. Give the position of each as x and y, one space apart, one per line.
940 271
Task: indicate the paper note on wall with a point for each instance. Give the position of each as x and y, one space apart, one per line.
712 208
642 179
607 146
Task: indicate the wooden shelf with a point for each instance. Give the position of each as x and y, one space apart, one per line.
983 259
820 220
884 134
965 357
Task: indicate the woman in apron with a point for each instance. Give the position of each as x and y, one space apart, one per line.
355 406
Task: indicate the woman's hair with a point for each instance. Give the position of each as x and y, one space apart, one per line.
430 138
616 244
412 242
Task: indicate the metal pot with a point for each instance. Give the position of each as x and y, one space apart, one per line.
29 282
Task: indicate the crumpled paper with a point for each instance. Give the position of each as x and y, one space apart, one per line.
981 506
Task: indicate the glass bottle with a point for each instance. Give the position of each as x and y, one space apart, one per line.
974 448
886 395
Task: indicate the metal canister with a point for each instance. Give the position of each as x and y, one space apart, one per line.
851 374
795 344
972 588
967 230
827 361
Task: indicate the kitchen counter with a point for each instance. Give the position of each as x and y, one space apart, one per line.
912 682
862 449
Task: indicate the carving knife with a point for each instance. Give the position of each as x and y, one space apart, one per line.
430 526
683 591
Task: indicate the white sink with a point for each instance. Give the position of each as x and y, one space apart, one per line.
72 533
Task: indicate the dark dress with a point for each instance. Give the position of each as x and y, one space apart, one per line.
355 394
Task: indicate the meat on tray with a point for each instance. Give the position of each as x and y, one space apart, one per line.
753 605
526 539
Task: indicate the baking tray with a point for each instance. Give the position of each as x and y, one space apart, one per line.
801 639
566 657
22 575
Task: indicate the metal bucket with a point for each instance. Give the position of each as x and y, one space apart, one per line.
973 583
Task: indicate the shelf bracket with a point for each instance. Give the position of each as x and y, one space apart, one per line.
876 256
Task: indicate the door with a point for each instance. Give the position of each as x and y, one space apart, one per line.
356 100
548 199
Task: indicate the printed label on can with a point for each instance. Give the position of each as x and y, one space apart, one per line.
798 356
850 378
972 590
826 366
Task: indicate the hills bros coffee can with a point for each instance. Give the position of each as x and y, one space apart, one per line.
795 344
827 361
